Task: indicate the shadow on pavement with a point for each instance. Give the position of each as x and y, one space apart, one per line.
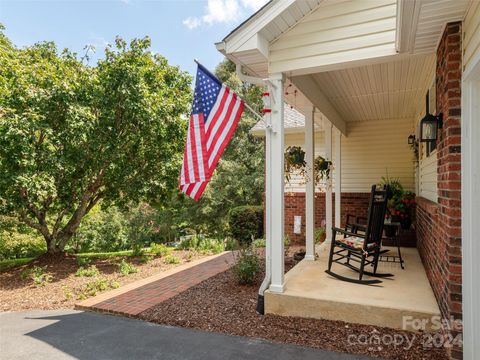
85 335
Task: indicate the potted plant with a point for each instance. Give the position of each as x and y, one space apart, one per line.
320 235
402 210
399 207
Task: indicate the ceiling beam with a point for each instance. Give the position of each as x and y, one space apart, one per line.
310 89
408 14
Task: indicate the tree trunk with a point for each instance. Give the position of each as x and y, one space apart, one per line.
52 247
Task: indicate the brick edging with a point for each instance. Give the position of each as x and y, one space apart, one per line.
91 302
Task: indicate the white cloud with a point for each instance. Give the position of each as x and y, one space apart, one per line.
254 4
192 22
223 11
98 41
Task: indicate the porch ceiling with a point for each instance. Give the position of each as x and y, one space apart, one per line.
390 90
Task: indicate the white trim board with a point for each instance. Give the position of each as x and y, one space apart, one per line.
471 209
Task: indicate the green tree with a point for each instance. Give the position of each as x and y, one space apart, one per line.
73 135
239 176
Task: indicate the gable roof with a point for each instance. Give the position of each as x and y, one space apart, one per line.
300 37
294 121
248 43
249 19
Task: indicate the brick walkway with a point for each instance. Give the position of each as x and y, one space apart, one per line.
134 298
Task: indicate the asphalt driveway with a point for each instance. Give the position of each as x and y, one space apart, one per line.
72 334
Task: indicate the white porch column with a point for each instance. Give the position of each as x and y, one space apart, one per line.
338 178
310 184
277 182
328 194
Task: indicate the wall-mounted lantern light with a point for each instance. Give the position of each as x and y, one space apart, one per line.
429 125
411 139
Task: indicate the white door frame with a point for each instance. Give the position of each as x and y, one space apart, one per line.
471 209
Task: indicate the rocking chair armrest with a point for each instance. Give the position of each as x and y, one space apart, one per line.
348 233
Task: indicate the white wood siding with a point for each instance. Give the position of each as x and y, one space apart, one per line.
471 34
371 148
428 176
325 36
374 147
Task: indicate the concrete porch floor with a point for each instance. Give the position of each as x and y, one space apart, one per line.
310 292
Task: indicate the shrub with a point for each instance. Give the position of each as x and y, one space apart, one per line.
159 249
68 293
188 256
126 268
83 261
102 230
231 244
93 287
42 279
88 272
25 274
170 259
15 245
37 274
145 259
246 222
202 244
211 246
138 250
246 267
190 242
260 243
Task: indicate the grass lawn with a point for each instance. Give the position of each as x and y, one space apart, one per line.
10 263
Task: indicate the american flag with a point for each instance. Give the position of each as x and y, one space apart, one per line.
216 111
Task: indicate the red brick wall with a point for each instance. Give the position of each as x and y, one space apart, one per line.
439 225
352 203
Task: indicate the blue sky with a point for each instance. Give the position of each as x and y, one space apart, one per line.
181 30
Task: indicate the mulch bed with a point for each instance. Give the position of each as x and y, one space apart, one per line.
219 304
62 292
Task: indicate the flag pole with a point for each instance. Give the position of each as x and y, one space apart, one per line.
248 107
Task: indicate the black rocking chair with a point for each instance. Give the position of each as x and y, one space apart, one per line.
363 248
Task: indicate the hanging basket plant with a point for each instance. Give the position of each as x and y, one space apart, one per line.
295 164
322 169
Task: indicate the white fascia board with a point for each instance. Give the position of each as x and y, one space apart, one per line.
307 85
407 19
336 61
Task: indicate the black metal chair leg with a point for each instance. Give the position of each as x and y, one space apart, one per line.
376 258
362 266
400 254
330 258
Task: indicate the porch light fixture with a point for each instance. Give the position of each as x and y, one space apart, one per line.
429 125
411 139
